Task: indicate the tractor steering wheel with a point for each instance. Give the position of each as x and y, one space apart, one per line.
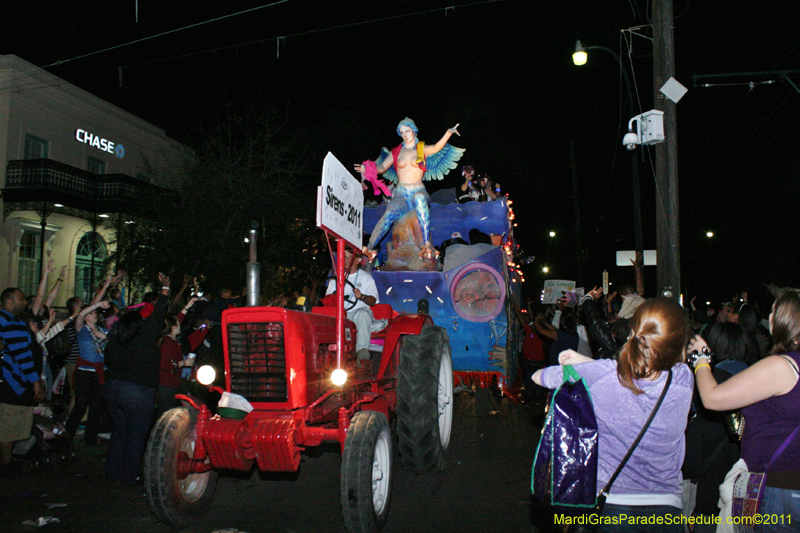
348 305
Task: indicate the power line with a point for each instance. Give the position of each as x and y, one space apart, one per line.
61 62
280 38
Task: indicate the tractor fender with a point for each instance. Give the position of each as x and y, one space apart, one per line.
405 324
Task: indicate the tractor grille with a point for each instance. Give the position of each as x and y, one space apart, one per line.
258 361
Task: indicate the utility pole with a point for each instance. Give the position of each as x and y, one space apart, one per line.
667 226
580 256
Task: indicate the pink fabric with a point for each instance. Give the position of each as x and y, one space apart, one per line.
371 175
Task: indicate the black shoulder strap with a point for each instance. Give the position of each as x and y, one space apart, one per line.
604 493
792 364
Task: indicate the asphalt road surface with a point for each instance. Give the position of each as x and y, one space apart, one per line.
486 487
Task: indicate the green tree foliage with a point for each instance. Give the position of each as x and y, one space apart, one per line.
247 168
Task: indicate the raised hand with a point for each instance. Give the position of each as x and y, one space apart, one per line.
596 293
638 261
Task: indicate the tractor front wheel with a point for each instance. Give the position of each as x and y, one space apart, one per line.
174 497
366 472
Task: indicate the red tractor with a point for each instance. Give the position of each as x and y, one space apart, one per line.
300 373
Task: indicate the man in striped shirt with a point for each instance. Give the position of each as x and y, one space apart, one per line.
21 386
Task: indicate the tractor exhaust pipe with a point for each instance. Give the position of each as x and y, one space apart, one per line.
253 270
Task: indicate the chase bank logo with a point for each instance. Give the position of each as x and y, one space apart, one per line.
102 144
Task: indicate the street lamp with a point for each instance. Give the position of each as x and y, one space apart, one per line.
552 233
580 57
709 234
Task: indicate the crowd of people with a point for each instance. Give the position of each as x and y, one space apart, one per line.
738 362
113 367
120 365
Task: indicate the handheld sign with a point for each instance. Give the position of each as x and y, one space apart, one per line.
553 289
340 202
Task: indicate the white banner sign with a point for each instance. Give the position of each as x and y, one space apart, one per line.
340 202
555 289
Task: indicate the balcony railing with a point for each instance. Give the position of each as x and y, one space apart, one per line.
45 180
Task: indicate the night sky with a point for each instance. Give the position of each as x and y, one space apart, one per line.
347 72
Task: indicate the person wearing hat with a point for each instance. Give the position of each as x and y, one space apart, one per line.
455 238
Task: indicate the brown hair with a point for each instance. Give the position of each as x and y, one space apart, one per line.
659 331
170 321
786 322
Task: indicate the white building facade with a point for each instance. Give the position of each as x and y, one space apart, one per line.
75 168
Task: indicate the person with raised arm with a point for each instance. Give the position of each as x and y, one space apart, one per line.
625 391
768 393
89 374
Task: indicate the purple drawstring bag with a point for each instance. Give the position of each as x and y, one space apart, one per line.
565 468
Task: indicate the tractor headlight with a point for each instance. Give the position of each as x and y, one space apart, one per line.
338 377
206 374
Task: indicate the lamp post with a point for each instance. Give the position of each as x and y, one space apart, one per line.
579 57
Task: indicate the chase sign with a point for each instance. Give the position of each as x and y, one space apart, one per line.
95 141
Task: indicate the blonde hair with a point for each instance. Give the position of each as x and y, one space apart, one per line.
659 331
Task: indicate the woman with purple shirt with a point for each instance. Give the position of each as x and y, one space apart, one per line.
768 393
624 392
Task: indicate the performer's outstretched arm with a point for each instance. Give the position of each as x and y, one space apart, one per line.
433 148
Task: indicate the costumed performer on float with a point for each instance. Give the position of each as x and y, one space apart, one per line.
411 162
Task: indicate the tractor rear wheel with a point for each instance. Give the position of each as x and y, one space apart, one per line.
175 498
366 472
425 399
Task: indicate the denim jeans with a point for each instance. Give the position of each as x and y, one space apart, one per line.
782 506
671 518
130 411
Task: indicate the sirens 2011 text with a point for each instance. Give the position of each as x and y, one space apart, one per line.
353 214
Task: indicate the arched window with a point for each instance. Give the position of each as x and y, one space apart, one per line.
91 253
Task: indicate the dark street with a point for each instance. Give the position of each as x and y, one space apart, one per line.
486 487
